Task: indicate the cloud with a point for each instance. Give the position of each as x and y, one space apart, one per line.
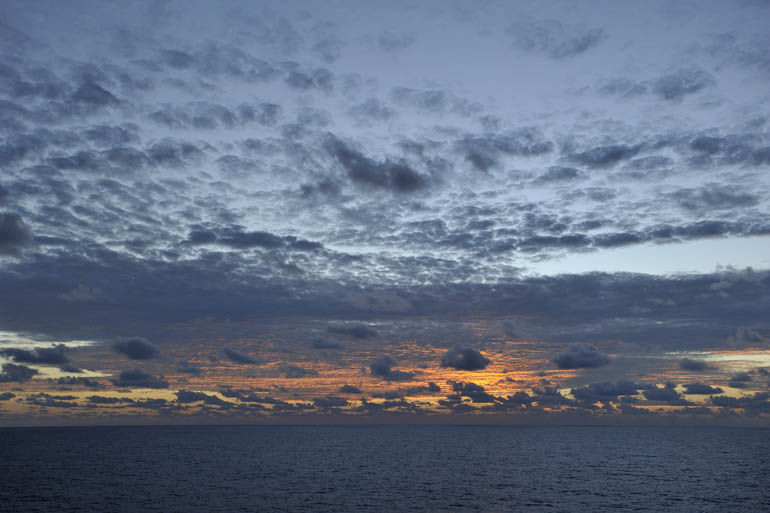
740 380
294 371
554 39
477 393
675 86
383 368
239 357
330 402
321 343
701 388
581 356
6 396
693 365
349 389
54 355
12 372
360 331
15 235
186 397
396 176
667 394
464 358
605 391
136 378
137 348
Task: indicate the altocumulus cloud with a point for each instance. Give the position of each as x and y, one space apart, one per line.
136 378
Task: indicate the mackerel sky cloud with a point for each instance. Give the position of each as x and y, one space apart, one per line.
294 202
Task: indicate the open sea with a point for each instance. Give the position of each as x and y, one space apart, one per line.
384 469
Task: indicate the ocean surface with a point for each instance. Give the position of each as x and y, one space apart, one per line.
387 469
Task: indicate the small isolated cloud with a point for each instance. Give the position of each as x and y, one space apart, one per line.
349 389
19 373
581 356
136 378
239 357
693 365
383 367
295 371
137 348
464 358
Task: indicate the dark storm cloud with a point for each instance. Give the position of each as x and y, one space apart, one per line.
693 365
239 357
701 388
360 331
137 348
136 378
554 39
54 355
464 358
581 356
397 176
12 372
15 235
383 367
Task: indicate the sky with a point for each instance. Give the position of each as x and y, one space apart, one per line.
295 212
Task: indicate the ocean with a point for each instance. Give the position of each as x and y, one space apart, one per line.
383 469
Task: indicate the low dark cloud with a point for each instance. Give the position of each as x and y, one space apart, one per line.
15 235
295 371
137 348
464 358
20 373
383 367
397 176
136 378
740 380
675 86
54 355
330 402
321 343
186 397
666 394
581 356
360 331
701 388
235 237
6 396
79 380
605 391
553 38
239 357
349 389
693 365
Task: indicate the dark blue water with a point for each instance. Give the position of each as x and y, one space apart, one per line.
388 469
